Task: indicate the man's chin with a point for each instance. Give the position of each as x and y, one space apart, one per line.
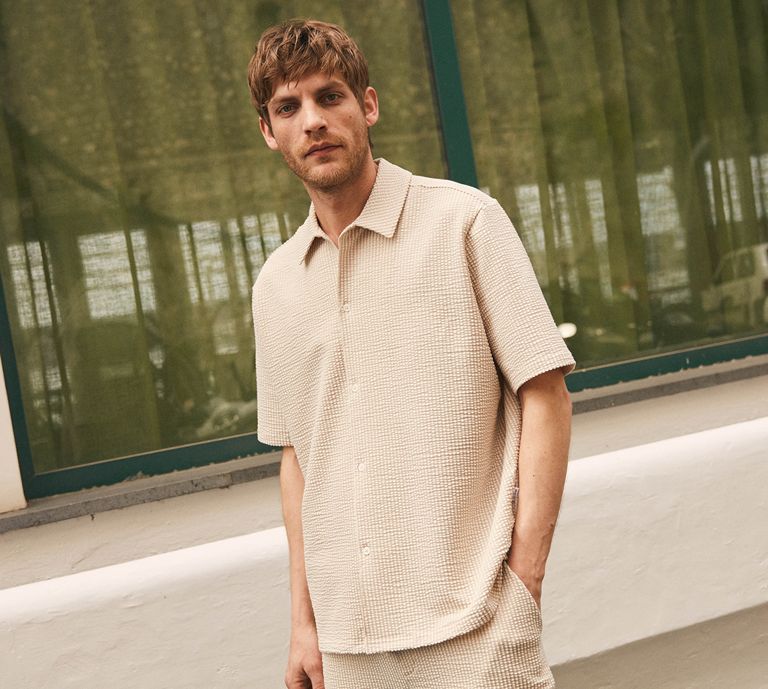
327 177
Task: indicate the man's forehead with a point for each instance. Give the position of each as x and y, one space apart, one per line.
313 81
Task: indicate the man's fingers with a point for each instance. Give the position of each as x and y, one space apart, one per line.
298 680
315 671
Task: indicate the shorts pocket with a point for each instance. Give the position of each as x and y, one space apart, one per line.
404 659
524 594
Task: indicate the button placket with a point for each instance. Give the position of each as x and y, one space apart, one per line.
346 239
346 243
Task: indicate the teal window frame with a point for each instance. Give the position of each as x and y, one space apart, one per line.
460 160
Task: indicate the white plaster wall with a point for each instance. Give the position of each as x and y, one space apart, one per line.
657 537
669 416
11 491
203 617
650 538
131 533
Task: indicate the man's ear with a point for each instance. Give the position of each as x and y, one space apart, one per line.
371 106
266 132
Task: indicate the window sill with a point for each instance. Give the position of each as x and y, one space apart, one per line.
148 489
665 384
224 474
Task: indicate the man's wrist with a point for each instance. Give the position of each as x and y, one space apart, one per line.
303 621
527 569
303 613
525 557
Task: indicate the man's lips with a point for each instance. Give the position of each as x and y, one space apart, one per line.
319 149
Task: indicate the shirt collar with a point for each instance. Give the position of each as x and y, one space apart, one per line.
381 212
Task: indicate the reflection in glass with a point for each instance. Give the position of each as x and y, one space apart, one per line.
628 141
139 203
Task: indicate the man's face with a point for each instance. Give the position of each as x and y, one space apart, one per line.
320 128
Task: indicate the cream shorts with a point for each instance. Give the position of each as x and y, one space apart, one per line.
503 653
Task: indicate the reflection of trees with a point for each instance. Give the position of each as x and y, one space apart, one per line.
641 126
139 202
626 140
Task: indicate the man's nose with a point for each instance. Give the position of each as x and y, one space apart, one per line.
314 117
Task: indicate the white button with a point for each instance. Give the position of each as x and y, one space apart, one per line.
345 307
355 387
361 466
366 550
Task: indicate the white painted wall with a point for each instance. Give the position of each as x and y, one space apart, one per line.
208 616
657 537
651 538
11 491
132 533
135 532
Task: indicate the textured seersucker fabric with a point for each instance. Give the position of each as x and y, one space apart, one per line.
504 653
391 364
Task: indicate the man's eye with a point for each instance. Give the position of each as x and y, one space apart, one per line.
285 108
331 97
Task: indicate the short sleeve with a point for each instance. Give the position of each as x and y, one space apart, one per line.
271 426
519 325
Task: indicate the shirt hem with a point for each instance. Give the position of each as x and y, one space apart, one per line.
274 440
567 364
398 643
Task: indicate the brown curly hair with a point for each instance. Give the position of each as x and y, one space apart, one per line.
289 51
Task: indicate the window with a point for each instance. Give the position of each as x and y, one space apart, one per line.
140 201
627 141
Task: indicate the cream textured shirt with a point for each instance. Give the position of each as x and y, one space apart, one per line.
392 364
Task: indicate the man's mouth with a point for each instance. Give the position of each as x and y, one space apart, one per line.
319 149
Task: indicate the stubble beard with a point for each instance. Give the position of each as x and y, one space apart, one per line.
334 179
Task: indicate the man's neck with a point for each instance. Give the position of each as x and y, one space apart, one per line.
337 208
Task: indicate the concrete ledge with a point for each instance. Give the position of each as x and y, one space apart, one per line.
665 384
650 539
214 615
137 491
729 651
657 537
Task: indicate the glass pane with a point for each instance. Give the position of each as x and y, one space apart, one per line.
139 202
628 141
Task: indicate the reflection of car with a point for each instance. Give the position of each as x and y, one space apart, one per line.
739 292
227 418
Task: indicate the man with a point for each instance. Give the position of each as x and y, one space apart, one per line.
407 363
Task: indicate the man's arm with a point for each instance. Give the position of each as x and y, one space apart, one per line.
542 466
292 492
305 660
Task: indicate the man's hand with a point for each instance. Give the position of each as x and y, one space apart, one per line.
305 662
532 580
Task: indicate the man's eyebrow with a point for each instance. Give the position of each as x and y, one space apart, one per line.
280 100
328 86
335 84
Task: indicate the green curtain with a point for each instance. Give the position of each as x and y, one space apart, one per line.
627 141
139 202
